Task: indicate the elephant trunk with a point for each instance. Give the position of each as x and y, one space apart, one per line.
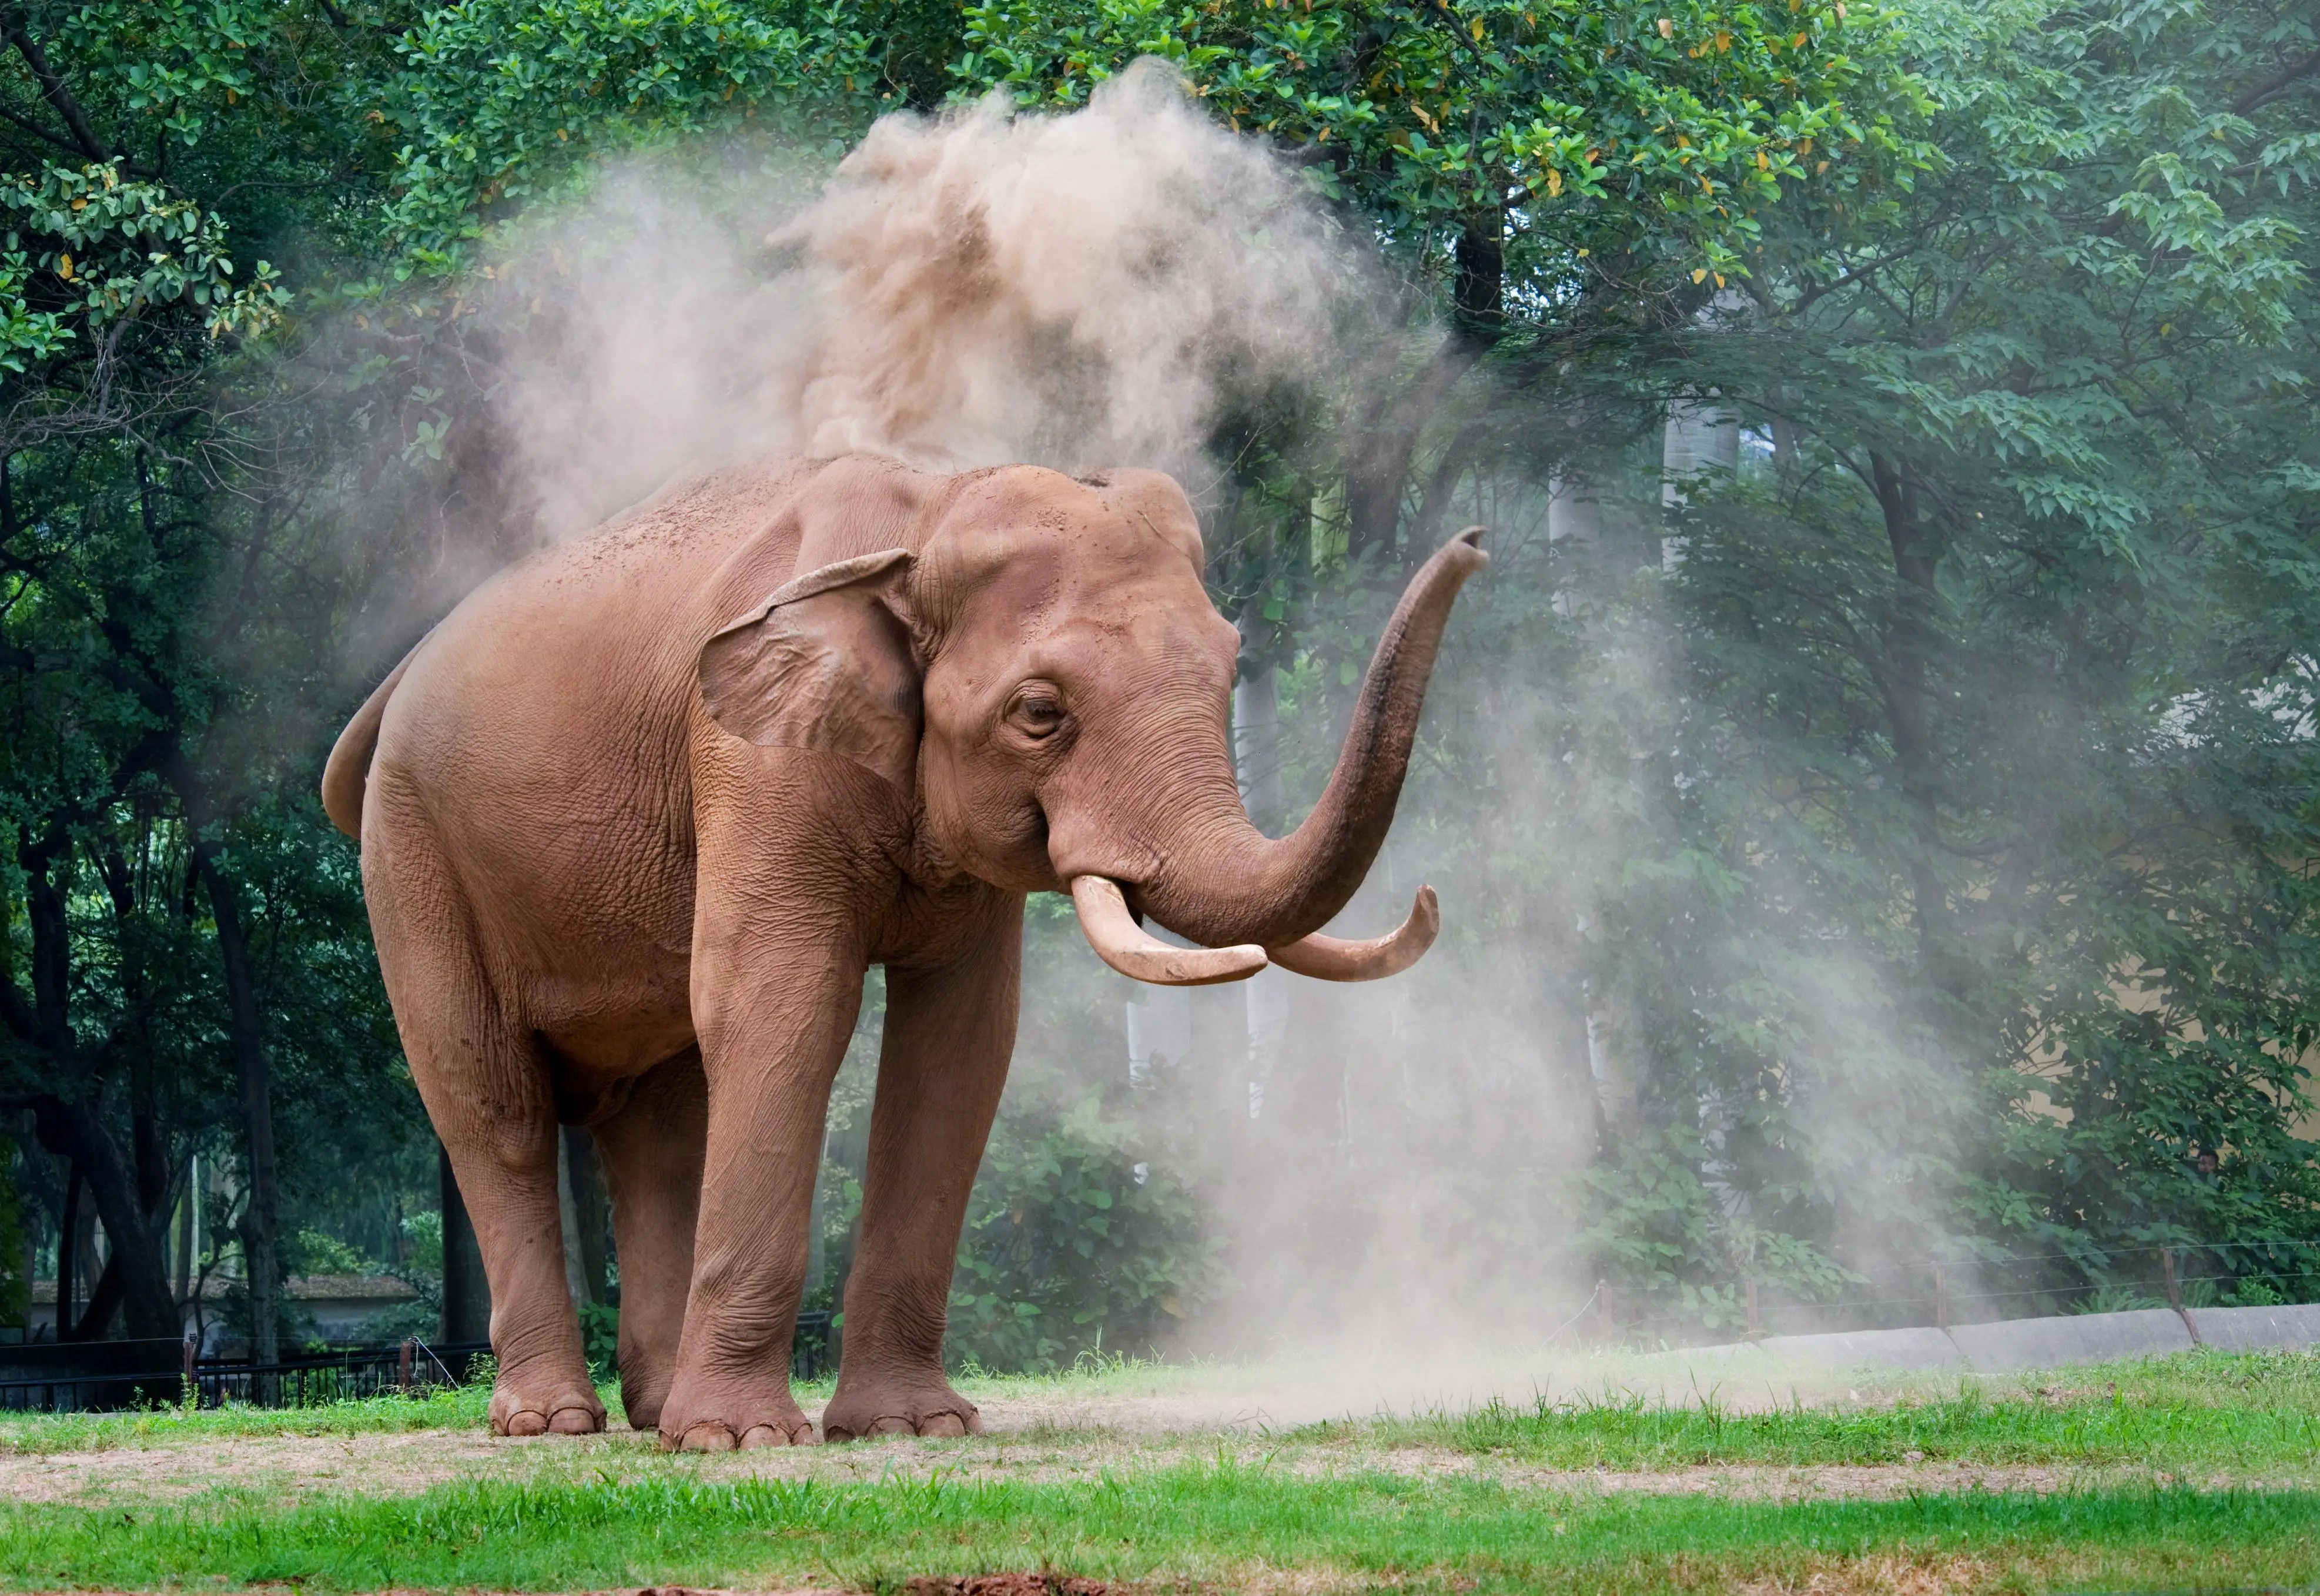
1227 882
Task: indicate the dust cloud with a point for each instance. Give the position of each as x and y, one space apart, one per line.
1092 289
1390 1171
1081 290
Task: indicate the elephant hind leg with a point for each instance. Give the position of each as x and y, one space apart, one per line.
485 1084
652 1151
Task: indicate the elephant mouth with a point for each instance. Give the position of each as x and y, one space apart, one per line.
1111 926
1111 929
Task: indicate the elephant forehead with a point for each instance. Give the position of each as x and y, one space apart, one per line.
1021 517
1077 589
1141 634
1096 552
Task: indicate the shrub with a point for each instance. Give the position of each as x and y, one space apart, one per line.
1072 1246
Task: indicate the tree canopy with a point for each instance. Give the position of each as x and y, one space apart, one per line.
1877 781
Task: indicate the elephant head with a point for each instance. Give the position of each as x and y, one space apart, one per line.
1040 665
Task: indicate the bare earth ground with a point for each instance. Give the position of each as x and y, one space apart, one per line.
1066 1429
282 1468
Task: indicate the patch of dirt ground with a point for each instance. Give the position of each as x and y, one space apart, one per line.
1899 1573
285 1467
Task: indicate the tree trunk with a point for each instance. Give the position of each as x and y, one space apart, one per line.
1378 470
1257 747
467 1291
149 1143
1908 642
592 1206
137 1262
181 1284
70 1125
104 1302
68 1253
261 1262
151 1151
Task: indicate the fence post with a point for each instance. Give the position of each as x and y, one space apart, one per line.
1606 1322
2174 1286
192 1373
1755 1329
402 1366
1941 1298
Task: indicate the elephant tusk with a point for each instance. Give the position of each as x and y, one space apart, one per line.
1332 958
1128 947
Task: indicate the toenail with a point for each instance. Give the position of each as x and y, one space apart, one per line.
573 1421
950 1424
764 1434
707 1437
892 1426
526 1424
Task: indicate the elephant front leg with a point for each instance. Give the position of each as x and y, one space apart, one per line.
774 1025
949 1033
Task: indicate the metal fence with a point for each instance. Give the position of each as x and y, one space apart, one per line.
407 1369
813 1350
114 1376
111 1376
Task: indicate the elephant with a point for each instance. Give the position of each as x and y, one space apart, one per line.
638 815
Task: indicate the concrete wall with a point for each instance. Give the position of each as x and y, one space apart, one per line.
338 1305
2015 1344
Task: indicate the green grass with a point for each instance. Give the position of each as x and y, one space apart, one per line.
2247 1414
46 1433
1317 1507
464 1406
1211 1524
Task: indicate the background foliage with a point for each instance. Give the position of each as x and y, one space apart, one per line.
1885 842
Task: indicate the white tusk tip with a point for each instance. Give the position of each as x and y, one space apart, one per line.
1333 958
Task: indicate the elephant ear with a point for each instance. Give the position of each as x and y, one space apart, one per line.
826 662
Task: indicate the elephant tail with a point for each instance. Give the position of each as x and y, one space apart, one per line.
347 772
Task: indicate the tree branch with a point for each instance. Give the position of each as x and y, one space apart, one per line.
340 20
15 1013
1458 31
36 131
12 657
53 90
2278 84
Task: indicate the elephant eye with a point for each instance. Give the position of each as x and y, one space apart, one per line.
1036 713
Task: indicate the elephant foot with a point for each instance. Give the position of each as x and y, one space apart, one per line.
737 1422
871 1406
643 1409
542 1404
643 1394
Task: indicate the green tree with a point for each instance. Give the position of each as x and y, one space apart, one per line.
1974 913
1893 844
167 594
